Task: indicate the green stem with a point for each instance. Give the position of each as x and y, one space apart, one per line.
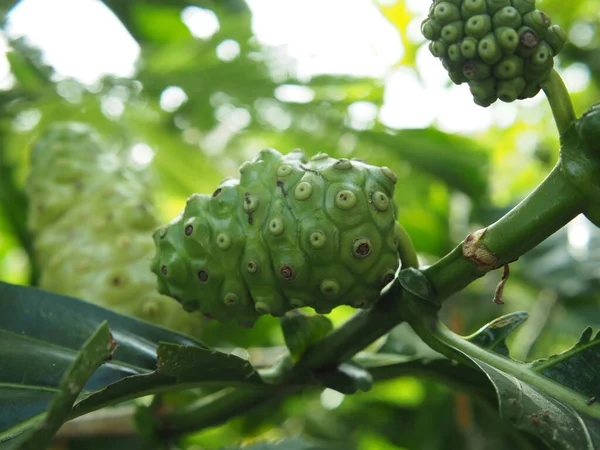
216 409
406 248
560 101
553 204
459 377
362 329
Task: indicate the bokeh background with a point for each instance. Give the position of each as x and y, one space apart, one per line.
189 89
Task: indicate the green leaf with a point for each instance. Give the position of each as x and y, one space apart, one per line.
531 409
415 282
53 328
578 367
192 364
492 336
98 349
549 398
178 367
301 331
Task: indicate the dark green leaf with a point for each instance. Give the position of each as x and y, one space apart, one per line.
416 283
555 407
194 364
178 367
41 334
535 411
578 368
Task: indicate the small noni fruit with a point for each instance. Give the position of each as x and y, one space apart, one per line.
289 233
503 49
91 215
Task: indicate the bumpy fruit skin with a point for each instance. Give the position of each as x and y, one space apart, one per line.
289 233
503 49
92 219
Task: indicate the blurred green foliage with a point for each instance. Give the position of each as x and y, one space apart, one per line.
449 185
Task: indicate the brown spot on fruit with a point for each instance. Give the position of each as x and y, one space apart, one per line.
287 272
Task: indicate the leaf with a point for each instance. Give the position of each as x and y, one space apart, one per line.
178 367
98 348
559 425
53 328
301 331
548 398
578 367
492 336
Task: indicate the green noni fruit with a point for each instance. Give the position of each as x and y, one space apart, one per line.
92 218
289 233
503 49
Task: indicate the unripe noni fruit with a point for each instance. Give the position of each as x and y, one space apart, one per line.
503 49
290 233
91 214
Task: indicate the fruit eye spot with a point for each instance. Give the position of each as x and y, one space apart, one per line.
361 248
230 299
343 164
203 275
329 287
217 192
303 191
387 277
163 270
317 239
381 201
250 202
345 199
189 230
223 241
252 266
287 272
276 227
284 171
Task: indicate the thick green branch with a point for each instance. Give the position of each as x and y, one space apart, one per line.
551 206
216 409
364 328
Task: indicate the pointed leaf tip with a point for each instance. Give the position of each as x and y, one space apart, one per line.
492 336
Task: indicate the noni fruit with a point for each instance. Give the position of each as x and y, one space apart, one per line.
503 49
91 215
289 233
